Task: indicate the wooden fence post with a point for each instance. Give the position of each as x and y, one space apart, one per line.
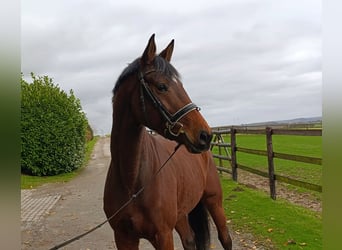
270 162
233 148
220 151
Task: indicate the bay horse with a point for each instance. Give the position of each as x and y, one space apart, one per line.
149 93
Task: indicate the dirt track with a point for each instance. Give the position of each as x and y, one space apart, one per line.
78 208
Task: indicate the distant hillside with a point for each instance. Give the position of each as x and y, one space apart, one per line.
307 120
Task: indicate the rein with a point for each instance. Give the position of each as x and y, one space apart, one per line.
130 200
172 120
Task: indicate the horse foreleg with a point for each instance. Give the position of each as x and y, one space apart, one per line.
217 213
185 233
163 240
126 242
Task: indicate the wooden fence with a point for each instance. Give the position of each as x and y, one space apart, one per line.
218 141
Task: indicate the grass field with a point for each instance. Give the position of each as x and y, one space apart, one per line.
274 224
297 145
28 181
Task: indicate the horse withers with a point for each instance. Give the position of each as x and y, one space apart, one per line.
149 93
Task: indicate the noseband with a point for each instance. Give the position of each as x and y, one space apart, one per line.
172 120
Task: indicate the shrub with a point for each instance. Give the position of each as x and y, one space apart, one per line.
89 133
53 128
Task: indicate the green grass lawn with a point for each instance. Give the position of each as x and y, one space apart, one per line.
28 181
297 145
274 224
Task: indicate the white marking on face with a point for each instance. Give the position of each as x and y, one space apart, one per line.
174 79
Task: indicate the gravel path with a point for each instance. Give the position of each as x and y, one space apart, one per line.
57 212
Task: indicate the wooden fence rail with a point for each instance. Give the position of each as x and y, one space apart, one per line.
218 141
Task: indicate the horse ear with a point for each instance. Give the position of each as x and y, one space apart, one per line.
167 52
150 51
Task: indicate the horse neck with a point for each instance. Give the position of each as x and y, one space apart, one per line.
127 147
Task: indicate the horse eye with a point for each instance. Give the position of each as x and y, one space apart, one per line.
162 87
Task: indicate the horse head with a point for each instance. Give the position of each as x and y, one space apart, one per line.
164 104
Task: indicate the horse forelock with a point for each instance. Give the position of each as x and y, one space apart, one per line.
159 65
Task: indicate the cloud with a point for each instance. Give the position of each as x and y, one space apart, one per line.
241 61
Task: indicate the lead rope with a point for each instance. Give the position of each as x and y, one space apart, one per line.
133 197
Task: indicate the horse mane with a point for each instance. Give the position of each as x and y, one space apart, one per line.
159 64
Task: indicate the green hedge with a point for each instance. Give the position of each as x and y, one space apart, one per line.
53 128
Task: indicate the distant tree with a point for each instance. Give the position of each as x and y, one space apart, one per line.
53 128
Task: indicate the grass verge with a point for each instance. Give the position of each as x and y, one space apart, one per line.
274 224
297 145
28 181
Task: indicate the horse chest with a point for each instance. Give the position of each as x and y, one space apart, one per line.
136 223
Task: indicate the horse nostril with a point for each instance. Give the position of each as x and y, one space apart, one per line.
205 138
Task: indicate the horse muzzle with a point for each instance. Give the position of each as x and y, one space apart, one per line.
201 144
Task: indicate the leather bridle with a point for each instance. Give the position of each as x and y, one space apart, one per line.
173 126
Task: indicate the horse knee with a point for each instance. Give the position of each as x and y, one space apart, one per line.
189 244
164 241
186 234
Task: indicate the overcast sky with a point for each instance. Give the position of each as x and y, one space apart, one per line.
241 61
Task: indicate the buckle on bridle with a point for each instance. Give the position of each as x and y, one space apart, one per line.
171 126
